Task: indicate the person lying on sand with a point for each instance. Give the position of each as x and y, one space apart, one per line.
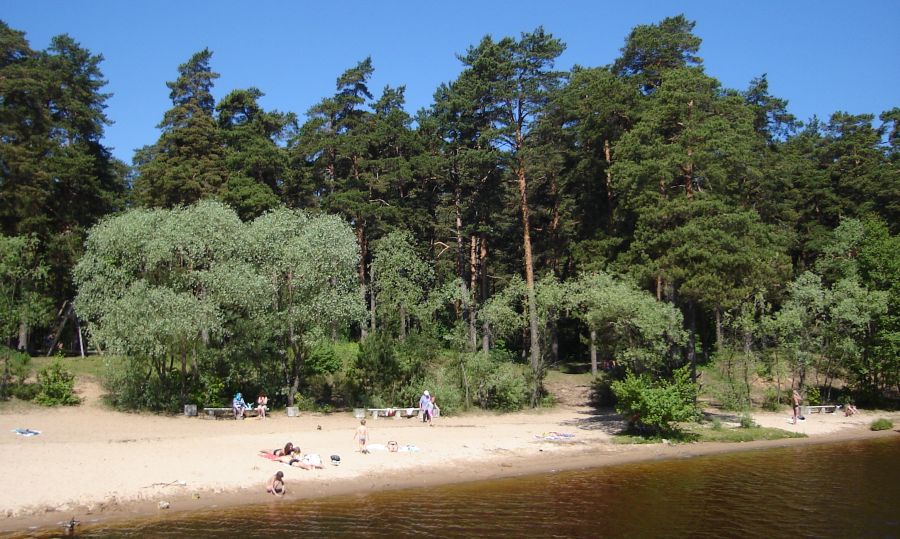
275 484
287 451
309 461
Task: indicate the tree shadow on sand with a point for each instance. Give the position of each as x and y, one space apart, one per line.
605 420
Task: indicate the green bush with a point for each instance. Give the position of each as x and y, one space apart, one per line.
57 386
14 369
770 400
881 423
747 422
813 397
132 386
25 392
658 404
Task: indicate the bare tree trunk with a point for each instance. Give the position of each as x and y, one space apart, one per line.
607 155
485 327
24 333
718 312
461 261
372 296
361 270
536 363
594 352
473 286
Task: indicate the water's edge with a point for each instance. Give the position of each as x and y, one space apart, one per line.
518 465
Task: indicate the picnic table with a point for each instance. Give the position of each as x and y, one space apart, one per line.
396 413
822 408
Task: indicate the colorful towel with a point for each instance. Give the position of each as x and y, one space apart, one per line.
268 455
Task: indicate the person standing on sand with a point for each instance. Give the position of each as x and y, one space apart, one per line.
361 436
275 484
796 399
426 406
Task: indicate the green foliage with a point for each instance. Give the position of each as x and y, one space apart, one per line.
640 332
737 435
747 422
771 402
14 369
25 392
57 386
402 278
881 424
492 381
813 396
657 405
23 285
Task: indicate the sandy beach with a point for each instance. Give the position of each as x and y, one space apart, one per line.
98 465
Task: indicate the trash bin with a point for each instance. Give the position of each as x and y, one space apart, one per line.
292 411
190 410
359 413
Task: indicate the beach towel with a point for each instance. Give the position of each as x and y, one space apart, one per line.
408 447
26 432
376 447
268 455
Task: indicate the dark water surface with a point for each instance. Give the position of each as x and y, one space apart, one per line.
849 489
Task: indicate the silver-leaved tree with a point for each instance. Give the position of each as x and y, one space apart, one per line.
160 285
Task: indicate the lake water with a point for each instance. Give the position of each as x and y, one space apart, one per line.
849 489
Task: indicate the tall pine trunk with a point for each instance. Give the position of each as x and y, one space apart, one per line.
535 352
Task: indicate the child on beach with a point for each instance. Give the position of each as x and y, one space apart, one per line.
362 434
275 484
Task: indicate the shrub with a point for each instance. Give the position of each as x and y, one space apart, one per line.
25 392
57 386
747 422
717 424
14 369
813 397
131 387
659 404
770 400
881 423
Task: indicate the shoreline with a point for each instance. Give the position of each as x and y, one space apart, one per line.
101 466
184 505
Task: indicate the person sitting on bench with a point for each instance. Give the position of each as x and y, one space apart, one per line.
238 405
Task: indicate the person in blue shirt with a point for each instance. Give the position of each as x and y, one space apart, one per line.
426 406
238 406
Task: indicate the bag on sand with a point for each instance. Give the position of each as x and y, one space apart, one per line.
335 460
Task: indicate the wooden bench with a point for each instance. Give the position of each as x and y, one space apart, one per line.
820 409
226 413
396 413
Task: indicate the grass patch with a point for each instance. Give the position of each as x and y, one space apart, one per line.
698 433
748 434
882 424
94 366
626 438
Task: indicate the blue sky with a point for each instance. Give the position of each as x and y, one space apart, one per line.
822 56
